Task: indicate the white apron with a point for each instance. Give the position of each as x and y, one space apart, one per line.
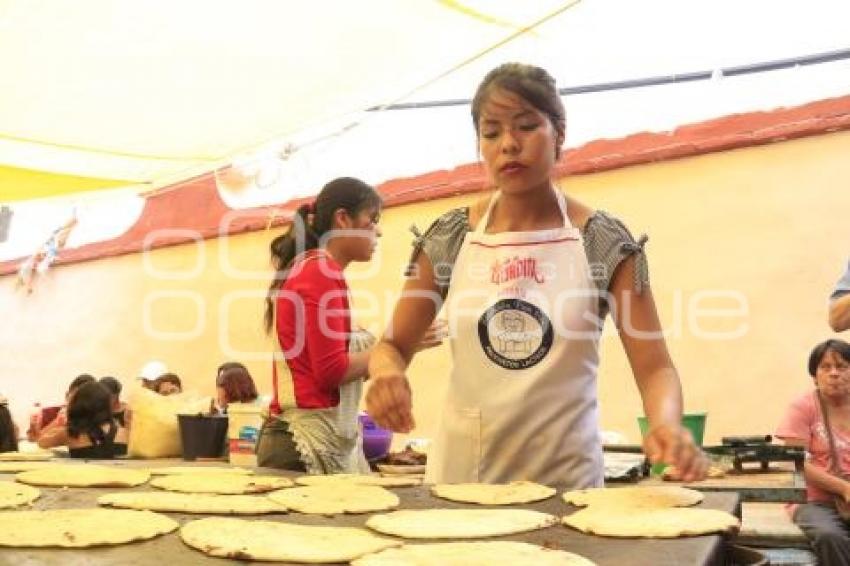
521 401
329 441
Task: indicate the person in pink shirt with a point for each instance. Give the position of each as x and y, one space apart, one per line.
803 425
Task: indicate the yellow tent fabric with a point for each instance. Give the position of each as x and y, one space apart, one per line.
23 184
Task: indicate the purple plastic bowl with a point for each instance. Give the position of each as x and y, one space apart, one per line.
376 440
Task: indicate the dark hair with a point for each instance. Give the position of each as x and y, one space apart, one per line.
229 365
79 381
840 347
90 407
111 384
347 193
532 84
237 384
167 378
8 438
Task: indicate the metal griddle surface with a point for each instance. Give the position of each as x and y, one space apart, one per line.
169 550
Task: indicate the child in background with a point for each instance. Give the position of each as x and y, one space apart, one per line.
234 384
168 384
54 434
120 410
92 431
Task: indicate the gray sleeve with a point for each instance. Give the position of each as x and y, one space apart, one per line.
843 286
441 243
607 242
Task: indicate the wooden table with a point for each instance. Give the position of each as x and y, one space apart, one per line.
778 485
169 549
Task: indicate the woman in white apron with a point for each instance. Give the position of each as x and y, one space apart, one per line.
319 363
527 276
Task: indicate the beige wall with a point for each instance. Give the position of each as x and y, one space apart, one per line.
766 223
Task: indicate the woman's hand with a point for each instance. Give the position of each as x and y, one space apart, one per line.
53 436
388 402
434 336
674 445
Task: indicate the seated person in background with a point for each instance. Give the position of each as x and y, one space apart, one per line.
8 429
809 421
234 384
150 372
93 433
120 410
168 384
54 434
839 303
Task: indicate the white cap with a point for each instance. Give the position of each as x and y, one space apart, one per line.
153 369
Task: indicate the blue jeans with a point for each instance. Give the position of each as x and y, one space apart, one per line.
828 534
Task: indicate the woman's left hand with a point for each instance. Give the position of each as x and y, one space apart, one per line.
674 445
434 336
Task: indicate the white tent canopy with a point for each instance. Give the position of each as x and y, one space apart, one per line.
108 93
155 91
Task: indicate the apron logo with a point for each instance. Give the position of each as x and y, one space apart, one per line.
515 334
515 268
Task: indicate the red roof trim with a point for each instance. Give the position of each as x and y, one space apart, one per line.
195 205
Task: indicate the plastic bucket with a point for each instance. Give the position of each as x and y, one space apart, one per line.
376 440
246 420
694 422
202 436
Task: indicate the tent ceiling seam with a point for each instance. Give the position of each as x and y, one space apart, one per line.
9 137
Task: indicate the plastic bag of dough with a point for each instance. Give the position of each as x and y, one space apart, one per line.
155 431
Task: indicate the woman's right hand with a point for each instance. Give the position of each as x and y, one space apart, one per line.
389 403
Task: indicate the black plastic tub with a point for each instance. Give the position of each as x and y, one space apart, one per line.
202 436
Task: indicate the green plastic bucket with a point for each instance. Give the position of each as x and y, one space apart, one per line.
694 422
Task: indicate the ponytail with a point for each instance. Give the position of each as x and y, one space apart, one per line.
284 249
310 223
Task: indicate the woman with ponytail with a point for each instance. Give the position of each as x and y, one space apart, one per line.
319 363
